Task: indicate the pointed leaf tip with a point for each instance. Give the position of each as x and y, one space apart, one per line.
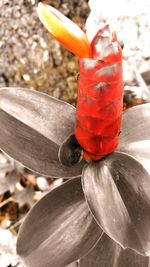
64 30
117 190
108 253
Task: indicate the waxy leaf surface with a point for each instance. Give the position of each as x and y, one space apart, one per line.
73 264
108 253
117 190
135 134
33 126
59 229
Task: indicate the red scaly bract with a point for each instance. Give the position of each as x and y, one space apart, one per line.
100 97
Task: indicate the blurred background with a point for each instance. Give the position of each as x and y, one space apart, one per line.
30 58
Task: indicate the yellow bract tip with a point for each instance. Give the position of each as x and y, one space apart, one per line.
64 31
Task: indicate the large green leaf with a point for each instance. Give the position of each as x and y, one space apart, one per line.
135 134
59 229
117 190
107 253
33 126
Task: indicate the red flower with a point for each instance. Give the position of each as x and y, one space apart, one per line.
100 94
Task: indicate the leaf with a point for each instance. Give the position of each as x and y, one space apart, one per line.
117 190
108 253
135 134
59 229
33 126
139 150
73 264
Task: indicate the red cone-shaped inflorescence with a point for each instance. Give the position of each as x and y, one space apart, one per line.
99 107
100 97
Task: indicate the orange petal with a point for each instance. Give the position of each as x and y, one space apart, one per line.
64 31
